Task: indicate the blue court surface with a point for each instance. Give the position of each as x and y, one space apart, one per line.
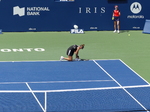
79 86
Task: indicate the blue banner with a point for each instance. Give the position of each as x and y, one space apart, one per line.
61 15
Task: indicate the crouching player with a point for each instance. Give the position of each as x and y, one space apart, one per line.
70 52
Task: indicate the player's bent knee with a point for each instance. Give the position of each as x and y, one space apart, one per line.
70 58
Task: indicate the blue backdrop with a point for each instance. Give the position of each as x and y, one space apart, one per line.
51 15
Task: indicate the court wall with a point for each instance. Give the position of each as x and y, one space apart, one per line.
55 15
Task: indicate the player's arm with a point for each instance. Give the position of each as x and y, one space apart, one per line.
119 13
113 13
76 52
113 16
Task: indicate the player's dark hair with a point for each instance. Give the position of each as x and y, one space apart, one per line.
82 45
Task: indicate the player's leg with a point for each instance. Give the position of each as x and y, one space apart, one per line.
70 58
70 55
118 26
115 24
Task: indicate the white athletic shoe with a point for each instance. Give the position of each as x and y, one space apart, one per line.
61 58
114 31
118 31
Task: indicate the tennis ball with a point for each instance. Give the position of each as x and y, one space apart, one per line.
128 34
112 18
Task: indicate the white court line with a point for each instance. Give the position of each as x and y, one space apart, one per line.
35 97
134 72
31 61
45 101
72 90
104 59
57 81
121 86
52 60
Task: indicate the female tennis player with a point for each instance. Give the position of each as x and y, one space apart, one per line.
116 18
71 50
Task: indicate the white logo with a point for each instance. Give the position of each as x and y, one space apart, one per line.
19 11
23 50
29 11
136 7
77 31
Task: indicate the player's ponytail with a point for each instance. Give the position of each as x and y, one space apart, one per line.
82 45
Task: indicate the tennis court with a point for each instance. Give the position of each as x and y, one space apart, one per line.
79 86
133 49
34 35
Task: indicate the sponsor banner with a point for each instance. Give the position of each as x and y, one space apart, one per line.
60 15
